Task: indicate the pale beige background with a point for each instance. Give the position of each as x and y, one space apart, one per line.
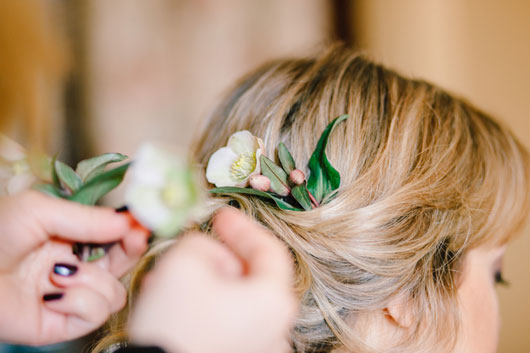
155 67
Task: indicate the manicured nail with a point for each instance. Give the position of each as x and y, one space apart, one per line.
64 269
52 296
121 209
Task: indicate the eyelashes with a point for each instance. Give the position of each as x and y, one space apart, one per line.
499 279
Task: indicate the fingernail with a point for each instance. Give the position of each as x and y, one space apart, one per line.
52 296
64 269
121 209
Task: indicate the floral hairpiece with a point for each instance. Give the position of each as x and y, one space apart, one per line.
242 163
163 194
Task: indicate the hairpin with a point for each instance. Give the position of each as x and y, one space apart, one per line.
241 167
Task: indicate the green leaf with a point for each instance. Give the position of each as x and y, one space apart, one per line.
286 158
235 190
276 175
48 189
55 177
40 165
323 178
99 186
88 252
301 195
96 253
67 176
92 167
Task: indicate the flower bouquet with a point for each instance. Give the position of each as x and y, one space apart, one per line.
160 195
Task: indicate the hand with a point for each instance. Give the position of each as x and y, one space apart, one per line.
38 306
205 296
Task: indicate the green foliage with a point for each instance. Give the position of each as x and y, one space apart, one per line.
92 167
323 178
301 195
67 176
49 190
89 183
322 184
86 185
286 159
227 190
277 176
96 188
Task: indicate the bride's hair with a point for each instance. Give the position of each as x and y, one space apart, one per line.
425 178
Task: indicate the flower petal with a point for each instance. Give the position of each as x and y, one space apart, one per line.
260 151
161 191
218 170
242 142
150 166
20 183
147 206
10 150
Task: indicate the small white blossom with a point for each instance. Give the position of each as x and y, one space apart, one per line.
234 164
15 171
161 191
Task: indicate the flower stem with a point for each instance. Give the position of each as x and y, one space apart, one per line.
313 200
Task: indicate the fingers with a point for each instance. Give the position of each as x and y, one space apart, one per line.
73 221
92 277
264 254
83 309
124 255
199 250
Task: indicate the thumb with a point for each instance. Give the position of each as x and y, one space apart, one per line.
264 254
197 250
74 222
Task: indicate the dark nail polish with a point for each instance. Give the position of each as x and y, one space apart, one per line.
52 296
64 269
121 209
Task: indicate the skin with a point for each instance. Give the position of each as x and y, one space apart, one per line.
198 262
205 296
478 301
36 232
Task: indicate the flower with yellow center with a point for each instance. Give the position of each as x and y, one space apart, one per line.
234 164
161 191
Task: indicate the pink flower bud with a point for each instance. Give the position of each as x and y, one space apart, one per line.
260 183
297 177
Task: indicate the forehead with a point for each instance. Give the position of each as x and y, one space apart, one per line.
483 256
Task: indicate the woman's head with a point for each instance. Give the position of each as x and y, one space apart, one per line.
431 190
426 178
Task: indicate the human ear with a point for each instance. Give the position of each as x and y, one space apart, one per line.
399 311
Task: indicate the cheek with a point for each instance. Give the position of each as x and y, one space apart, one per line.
480 315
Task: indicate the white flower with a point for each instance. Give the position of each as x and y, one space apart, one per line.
15 171
234 164
161 191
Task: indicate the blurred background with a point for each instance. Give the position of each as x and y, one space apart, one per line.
150 70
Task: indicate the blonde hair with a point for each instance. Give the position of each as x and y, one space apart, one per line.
425 177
